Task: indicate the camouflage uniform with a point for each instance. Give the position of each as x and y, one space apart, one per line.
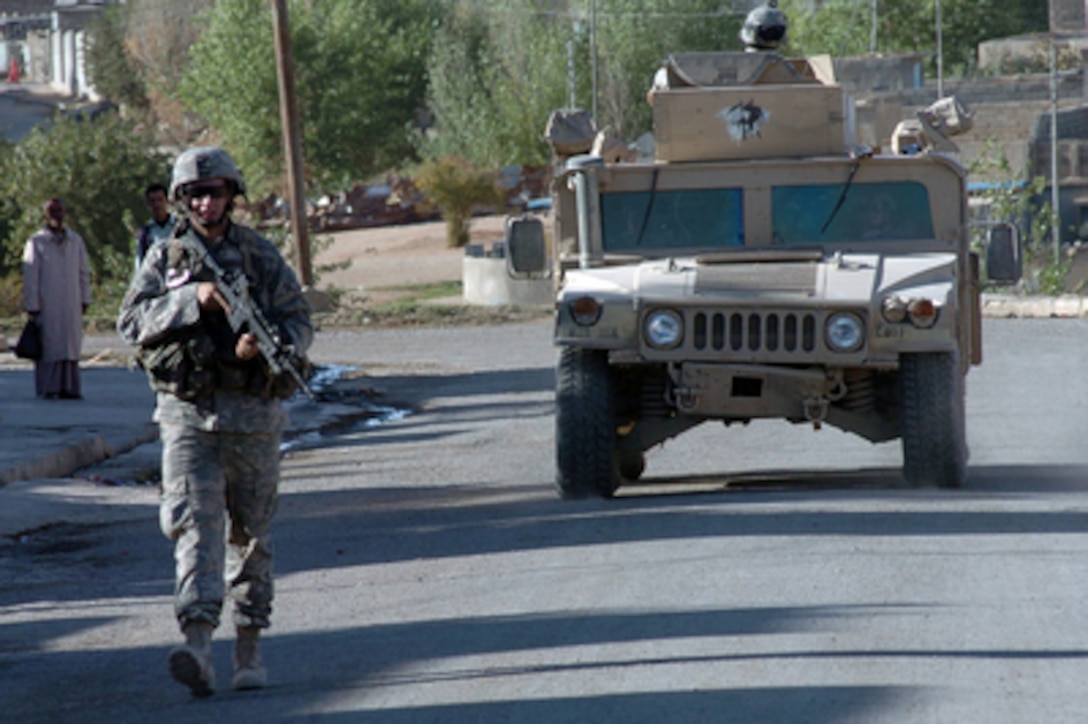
220 419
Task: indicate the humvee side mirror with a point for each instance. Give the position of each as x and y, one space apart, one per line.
1004 263
526 249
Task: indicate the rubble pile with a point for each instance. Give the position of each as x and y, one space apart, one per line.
395 201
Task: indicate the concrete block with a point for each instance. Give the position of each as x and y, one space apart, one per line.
484 281
1067 305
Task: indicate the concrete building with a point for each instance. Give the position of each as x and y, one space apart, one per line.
48 39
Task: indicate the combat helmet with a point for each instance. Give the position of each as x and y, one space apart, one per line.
764 28
205 162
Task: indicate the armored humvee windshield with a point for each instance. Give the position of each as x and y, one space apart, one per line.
659 223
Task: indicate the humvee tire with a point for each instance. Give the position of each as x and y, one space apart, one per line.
934 448
631 465
585 425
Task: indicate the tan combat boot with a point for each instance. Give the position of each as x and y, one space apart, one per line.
248 671
191 664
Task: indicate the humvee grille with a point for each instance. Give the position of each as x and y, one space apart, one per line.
737 331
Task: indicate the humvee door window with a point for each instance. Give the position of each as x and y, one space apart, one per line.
888 211
644 222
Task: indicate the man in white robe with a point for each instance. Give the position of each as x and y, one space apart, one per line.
56 293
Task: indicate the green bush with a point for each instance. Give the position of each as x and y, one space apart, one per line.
99 167
457 188
11 296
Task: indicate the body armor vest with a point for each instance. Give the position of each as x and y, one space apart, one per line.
195 361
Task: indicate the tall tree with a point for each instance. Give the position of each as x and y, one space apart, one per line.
115 73
359 73
497 73
136 54
635 36
494 76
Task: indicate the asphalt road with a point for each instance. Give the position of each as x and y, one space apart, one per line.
427 572
19 115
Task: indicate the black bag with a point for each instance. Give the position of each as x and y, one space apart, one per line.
29 345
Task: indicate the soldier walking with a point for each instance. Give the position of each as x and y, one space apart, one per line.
218 405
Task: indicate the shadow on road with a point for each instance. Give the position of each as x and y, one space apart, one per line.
344 669
343 675
383 525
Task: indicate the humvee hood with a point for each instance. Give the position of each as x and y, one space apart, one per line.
835 277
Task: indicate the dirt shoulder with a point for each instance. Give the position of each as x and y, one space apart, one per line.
387 261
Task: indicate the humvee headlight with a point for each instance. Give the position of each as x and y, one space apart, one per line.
664 329
845 332
894 309
585 311
922 312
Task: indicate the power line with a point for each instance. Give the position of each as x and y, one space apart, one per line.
488 8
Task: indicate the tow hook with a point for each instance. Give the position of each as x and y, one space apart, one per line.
686 398
815 409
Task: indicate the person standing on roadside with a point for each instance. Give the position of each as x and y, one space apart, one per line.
56 294
219 411
161 224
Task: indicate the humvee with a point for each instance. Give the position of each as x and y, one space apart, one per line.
760 265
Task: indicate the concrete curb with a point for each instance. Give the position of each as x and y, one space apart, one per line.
1007 307
64 462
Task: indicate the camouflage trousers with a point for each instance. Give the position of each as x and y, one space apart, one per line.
219 495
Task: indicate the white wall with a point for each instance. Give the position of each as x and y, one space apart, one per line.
69 67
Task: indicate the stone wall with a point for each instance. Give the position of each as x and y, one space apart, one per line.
1067 16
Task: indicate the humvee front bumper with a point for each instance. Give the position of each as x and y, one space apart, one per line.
743 391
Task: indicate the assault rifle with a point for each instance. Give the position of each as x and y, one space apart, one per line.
245 316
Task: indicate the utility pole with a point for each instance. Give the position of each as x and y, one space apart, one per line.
1055 196
292 143
940 50
593 52
571 77
872 30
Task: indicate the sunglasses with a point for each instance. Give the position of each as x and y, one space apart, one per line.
215 192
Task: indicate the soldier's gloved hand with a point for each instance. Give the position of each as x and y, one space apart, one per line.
210 298
246 347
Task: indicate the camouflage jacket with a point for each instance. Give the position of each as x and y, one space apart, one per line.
189 353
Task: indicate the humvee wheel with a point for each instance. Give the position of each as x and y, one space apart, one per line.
933 427
631 464
585 425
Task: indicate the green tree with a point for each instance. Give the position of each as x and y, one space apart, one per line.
494 76
114 72
497 73
843 27
99 168
635 36
7 210
359 74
